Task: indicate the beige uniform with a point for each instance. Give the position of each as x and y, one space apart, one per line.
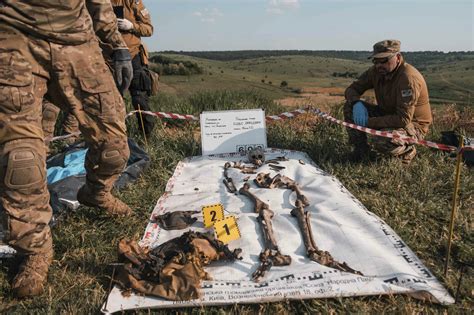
403 104
135 12
402 97
52 46
140 87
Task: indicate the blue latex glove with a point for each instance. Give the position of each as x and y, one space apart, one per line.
360 114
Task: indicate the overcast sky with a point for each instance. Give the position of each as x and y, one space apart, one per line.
445 25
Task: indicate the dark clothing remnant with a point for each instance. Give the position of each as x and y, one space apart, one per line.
174 269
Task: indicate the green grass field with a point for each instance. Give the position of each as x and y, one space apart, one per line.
414 200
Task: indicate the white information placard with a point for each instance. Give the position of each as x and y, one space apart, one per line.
233 131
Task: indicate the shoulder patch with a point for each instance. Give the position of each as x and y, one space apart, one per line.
407 93
144 12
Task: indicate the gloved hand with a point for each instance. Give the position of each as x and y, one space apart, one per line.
360 114
123 70
124 25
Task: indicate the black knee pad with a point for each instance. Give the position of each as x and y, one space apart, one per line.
25 168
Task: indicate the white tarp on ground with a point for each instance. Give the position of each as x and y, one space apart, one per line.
341 225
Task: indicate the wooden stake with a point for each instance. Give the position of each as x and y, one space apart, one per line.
455 201
142 124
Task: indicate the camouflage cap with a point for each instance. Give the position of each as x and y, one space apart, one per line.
385 48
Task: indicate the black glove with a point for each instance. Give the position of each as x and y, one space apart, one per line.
123 70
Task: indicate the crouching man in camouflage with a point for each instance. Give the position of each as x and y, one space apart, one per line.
51 46
403 104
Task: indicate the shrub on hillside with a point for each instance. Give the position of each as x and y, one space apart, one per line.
169 66
346 74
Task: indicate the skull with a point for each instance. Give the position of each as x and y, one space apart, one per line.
256 156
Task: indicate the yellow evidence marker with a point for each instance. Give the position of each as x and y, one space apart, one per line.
212 213
227 230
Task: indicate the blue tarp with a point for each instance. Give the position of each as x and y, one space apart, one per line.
73 165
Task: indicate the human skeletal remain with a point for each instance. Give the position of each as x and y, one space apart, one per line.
312 251
256 156
228 181
276 168
243 168
277 160
271 255
264 180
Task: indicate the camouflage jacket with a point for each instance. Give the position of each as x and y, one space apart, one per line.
135 12
402 97
71 22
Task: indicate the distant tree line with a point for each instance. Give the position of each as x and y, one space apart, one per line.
253 54
417 58
169 66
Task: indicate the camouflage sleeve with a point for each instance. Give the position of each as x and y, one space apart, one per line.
407 94
358 87
105 23
142 26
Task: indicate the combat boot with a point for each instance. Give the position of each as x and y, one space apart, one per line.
104 201
361 153
32 275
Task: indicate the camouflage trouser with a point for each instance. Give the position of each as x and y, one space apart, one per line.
77 77
69 123
385 146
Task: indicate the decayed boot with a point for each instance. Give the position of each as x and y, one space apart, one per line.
409 155
32 275
104 201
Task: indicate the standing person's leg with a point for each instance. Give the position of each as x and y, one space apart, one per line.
85 84
50 115
70 125
24 198
139 90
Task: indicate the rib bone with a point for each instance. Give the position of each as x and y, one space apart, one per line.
271 254
245 169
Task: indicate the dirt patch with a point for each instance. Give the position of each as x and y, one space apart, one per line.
338 91
319 97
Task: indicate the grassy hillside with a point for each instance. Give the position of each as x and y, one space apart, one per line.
414 200
450 78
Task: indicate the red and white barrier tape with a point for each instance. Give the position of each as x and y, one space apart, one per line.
285 115
164 115
293 114
393 135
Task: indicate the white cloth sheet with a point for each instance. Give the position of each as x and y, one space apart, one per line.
340 223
